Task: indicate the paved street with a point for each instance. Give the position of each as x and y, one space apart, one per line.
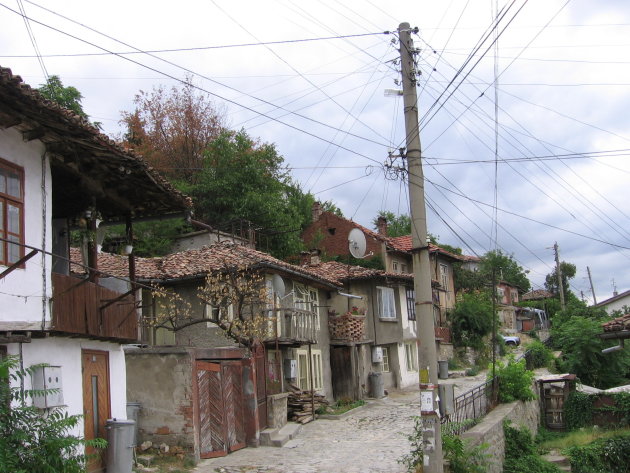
369 440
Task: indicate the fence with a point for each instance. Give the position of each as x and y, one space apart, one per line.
470 406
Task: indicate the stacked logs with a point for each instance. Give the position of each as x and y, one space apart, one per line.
300 404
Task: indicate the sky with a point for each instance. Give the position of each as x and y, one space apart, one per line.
538 125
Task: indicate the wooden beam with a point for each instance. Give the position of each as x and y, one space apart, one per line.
33 134
17 264
8 121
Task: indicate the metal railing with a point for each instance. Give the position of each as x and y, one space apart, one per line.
470 406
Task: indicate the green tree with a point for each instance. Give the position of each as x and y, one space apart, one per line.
68 97
471 319
397 225
567 270
577 335
31 441
240 178
506 269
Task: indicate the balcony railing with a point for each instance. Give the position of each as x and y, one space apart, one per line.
85 308
290 325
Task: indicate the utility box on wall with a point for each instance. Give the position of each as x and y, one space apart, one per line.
48 379
290 369
377 355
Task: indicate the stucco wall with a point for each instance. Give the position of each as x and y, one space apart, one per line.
28 281
162 383
66 353
490 429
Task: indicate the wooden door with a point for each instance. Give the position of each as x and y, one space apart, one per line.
260 359
212 433
554 398
96 402
342 373
232 383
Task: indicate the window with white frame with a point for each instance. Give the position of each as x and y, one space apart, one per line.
214 313
386 302
11 212
444 276
411 356
306 298
385 368
304 370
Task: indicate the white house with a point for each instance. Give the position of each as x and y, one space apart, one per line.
58 173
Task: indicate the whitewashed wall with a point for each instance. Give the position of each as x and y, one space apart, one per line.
21 291
66 352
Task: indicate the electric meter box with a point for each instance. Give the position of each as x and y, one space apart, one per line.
377 355
47 379
290 369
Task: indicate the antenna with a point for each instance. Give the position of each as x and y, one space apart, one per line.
356 243
278 285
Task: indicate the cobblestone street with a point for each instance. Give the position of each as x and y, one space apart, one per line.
369 440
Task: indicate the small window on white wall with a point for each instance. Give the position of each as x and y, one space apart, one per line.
411 356
386 304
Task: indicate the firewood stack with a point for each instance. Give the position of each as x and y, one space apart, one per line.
300 404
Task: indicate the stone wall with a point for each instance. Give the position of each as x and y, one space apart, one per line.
277 410
490 429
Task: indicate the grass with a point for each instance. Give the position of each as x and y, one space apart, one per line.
342 406
170 464
563 440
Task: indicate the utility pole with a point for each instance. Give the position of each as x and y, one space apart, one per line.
590 279
427 353
559 276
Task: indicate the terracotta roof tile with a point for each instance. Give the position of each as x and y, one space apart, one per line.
340 272
618 324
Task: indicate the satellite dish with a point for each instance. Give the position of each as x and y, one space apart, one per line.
356 243
278 285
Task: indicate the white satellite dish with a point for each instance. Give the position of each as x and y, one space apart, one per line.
356 243
278 285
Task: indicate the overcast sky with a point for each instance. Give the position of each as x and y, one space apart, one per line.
563 73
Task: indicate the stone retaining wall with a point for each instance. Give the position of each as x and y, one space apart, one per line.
490 429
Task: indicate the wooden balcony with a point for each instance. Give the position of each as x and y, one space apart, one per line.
87 309
292 326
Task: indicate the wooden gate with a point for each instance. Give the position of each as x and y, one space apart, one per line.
221 419
554 391
343 378
260 362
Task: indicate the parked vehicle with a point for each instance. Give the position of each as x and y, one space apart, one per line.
511 340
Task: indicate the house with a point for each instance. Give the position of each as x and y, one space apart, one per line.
507 298
372 327
59 174
618 302
329 234
618 329
190 366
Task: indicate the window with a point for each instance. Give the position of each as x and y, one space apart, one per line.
306 298
386 304
444 276
403 268
514 295
411 355
395 266
500 293
213 313
304 373
11 212
411 303
385 360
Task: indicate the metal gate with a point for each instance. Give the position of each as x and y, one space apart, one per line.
221 417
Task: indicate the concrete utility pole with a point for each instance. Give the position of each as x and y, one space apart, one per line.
590 279
559 275
427 354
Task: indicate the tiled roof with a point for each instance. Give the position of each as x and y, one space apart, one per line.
199 262
340 272
536 295
404 243
68 136
618 324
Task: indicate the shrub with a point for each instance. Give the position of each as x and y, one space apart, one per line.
464 458
33 441
515 381
538 355
605 455
520 453
412 461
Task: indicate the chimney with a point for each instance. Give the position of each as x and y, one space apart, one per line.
315 259
381 225
305 258
316 211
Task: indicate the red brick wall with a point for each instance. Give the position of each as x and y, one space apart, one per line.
335 232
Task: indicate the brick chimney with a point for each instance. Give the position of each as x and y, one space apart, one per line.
315 256
305 258
316 211
381 225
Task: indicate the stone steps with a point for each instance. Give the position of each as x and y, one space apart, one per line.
278 437
560 461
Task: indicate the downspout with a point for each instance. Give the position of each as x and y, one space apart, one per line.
43 244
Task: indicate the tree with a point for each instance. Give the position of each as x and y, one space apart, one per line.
240 178
471 320
31 441
567 270
506 269
172 130
68 97
397 225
